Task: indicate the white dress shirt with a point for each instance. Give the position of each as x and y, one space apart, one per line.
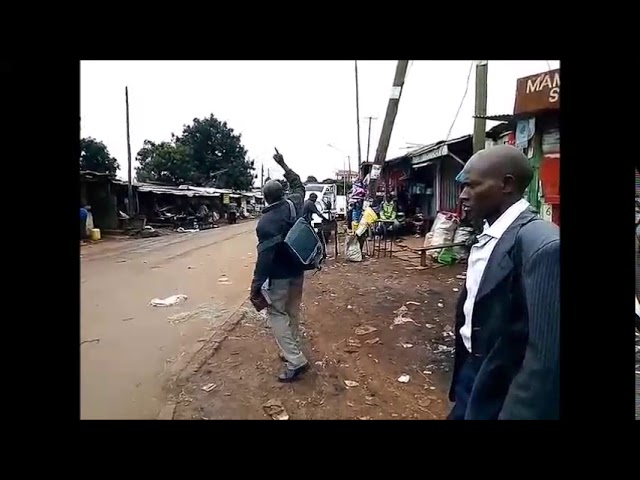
478 258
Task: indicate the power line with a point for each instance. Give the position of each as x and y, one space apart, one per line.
466 89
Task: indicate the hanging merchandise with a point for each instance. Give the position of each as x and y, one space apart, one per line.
532 127
551 141
522 134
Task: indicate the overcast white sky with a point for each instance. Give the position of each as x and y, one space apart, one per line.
297 106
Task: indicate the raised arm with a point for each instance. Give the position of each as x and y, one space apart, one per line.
295 184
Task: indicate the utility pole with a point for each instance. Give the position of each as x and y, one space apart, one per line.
357 118
369 136
389 119
262 176
130 187
480 121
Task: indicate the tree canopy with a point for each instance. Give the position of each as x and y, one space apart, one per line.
95 156
207 153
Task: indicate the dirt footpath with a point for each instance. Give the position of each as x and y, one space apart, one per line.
358 353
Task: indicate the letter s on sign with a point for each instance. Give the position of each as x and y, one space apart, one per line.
554 93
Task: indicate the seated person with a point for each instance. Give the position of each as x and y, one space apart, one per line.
388 214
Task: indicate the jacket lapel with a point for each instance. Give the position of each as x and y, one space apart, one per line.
500 264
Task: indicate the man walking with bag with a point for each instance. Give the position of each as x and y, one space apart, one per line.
508 317
278 278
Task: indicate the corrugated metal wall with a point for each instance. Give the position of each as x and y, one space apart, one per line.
637 183
449 189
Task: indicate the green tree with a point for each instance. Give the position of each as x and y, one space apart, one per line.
311 179
207 153
164 162
94 156
217 154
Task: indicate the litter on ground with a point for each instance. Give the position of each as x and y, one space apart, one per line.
275 410
169 301
404 378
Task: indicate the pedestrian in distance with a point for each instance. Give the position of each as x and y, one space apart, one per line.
278 278
507 329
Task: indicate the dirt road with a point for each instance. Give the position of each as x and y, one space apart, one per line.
380 338
127 347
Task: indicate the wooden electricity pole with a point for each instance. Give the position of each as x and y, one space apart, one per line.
480 121
130 187
389 119
369 135
357 118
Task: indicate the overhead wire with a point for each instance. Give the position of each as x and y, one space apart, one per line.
466 89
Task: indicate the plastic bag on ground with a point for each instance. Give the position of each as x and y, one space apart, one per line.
352 249
169 301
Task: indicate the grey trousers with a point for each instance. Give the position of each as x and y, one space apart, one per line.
284 317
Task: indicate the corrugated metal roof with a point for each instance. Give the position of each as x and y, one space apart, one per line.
433 146
504 117
166 189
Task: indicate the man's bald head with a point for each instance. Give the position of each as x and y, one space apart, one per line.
494 179
272 191
503 161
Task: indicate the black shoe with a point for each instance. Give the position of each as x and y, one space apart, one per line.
290 375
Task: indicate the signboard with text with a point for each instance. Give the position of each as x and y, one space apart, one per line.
538 92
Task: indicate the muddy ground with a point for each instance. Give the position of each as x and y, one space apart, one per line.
241 376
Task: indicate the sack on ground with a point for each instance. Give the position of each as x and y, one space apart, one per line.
352 252
443 230
462 234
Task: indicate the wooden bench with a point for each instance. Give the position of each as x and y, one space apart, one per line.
423 250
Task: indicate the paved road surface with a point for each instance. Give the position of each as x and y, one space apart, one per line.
121 375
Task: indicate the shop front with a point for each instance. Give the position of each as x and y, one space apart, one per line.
537 112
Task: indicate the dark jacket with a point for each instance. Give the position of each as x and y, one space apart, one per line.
309 208
516 326
276 261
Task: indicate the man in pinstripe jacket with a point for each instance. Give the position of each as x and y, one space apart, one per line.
508 316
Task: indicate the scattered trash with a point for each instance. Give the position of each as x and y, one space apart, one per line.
462 277
275 410
352 345
456 289
349 307
364 418
93 340
402 310
372 341
127 319
413 303
187 230
207 388
400 320
447 334
169 301
428 325
223 280
443 348
404 378
406 345
440 304
351 383
365 330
